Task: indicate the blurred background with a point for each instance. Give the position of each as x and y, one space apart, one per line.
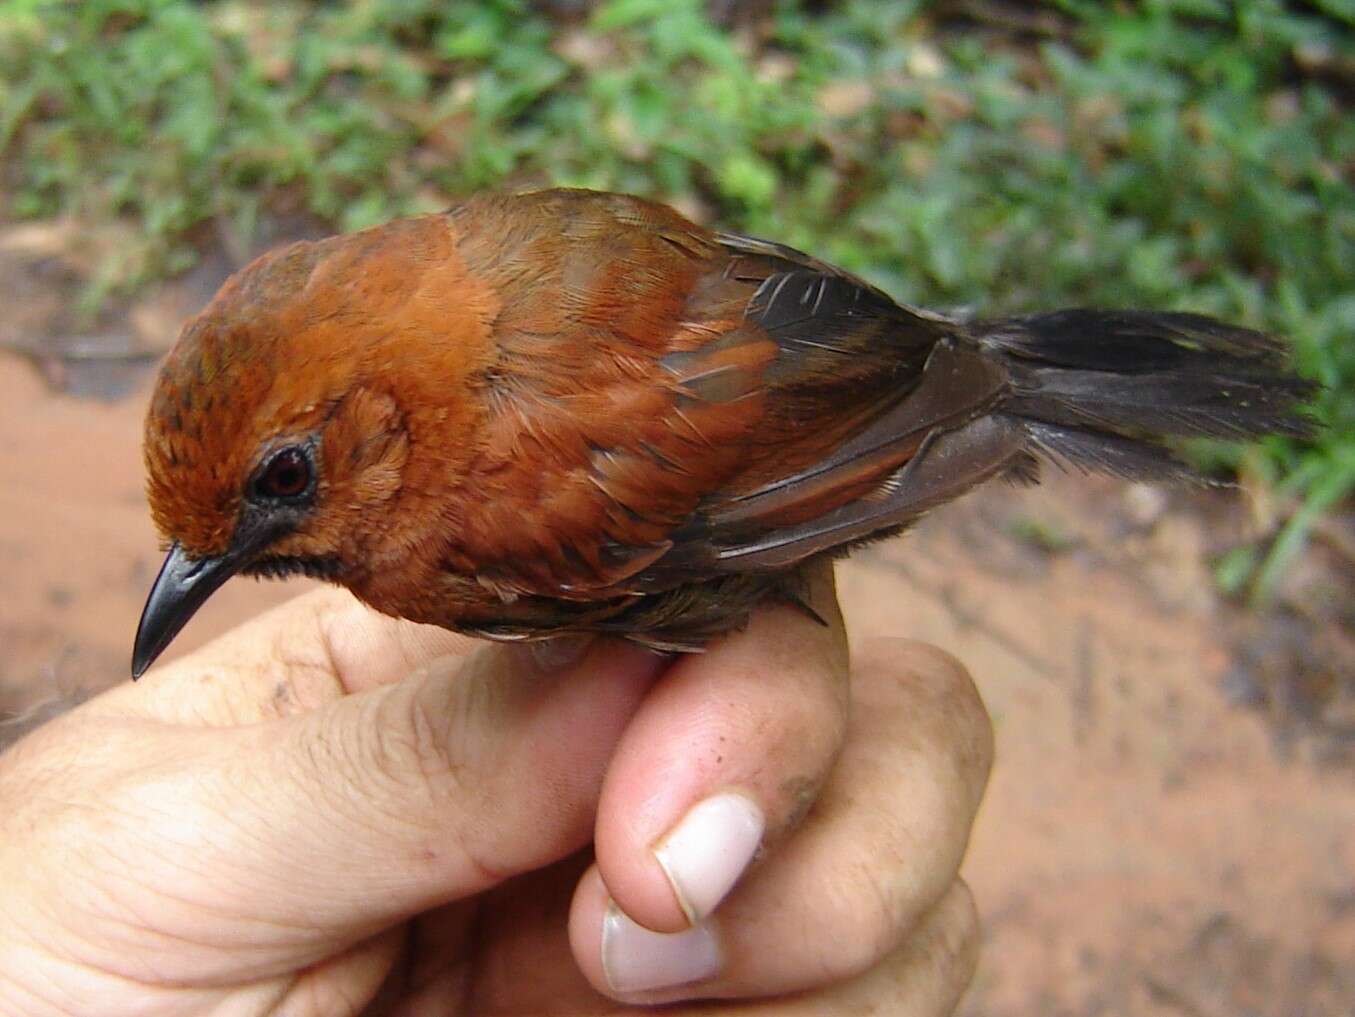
1171 826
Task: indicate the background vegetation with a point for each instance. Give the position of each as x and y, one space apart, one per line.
1190 154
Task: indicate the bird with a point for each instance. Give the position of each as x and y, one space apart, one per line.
570 411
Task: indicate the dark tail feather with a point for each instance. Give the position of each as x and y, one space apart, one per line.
1102 390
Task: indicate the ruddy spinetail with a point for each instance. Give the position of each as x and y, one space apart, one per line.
571 411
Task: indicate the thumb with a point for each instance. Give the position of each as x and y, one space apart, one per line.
392 801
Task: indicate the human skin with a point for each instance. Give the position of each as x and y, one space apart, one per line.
331 812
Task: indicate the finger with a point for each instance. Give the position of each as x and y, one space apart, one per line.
289 838
345 985
882 844
726 754
517 932
308 651
925 977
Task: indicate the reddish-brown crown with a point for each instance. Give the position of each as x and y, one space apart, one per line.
280 348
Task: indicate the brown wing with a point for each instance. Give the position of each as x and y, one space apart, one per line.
668 403
925 436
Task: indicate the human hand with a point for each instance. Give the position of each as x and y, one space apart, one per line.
279 825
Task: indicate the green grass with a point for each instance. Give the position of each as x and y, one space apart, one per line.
1188 154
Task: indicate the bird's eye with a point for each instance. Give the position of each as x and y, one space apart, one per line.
286 475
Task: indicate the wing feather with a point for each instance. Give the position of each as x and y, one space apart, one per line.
761 408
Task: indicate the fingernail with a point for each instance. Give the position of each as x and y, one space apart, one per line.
560 651
706 853
636 959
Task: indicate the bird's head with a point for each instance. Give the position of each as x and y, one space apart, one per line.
279 432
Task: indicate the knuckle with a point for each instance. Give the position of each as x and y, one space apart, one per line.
299 664
921 662
938 694
411 741
972 735
953 936
343 632
963 923
411 764
863 920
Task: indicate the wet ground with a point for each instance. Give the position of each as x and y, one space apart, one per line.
1170 829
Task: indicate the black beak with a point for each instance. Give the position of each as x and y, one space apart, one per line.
183 586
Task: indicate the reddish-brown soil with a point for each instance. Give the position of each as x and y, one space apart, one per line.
1146 846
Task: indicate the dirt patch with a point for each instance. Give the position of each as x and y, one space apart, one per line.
1145 847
